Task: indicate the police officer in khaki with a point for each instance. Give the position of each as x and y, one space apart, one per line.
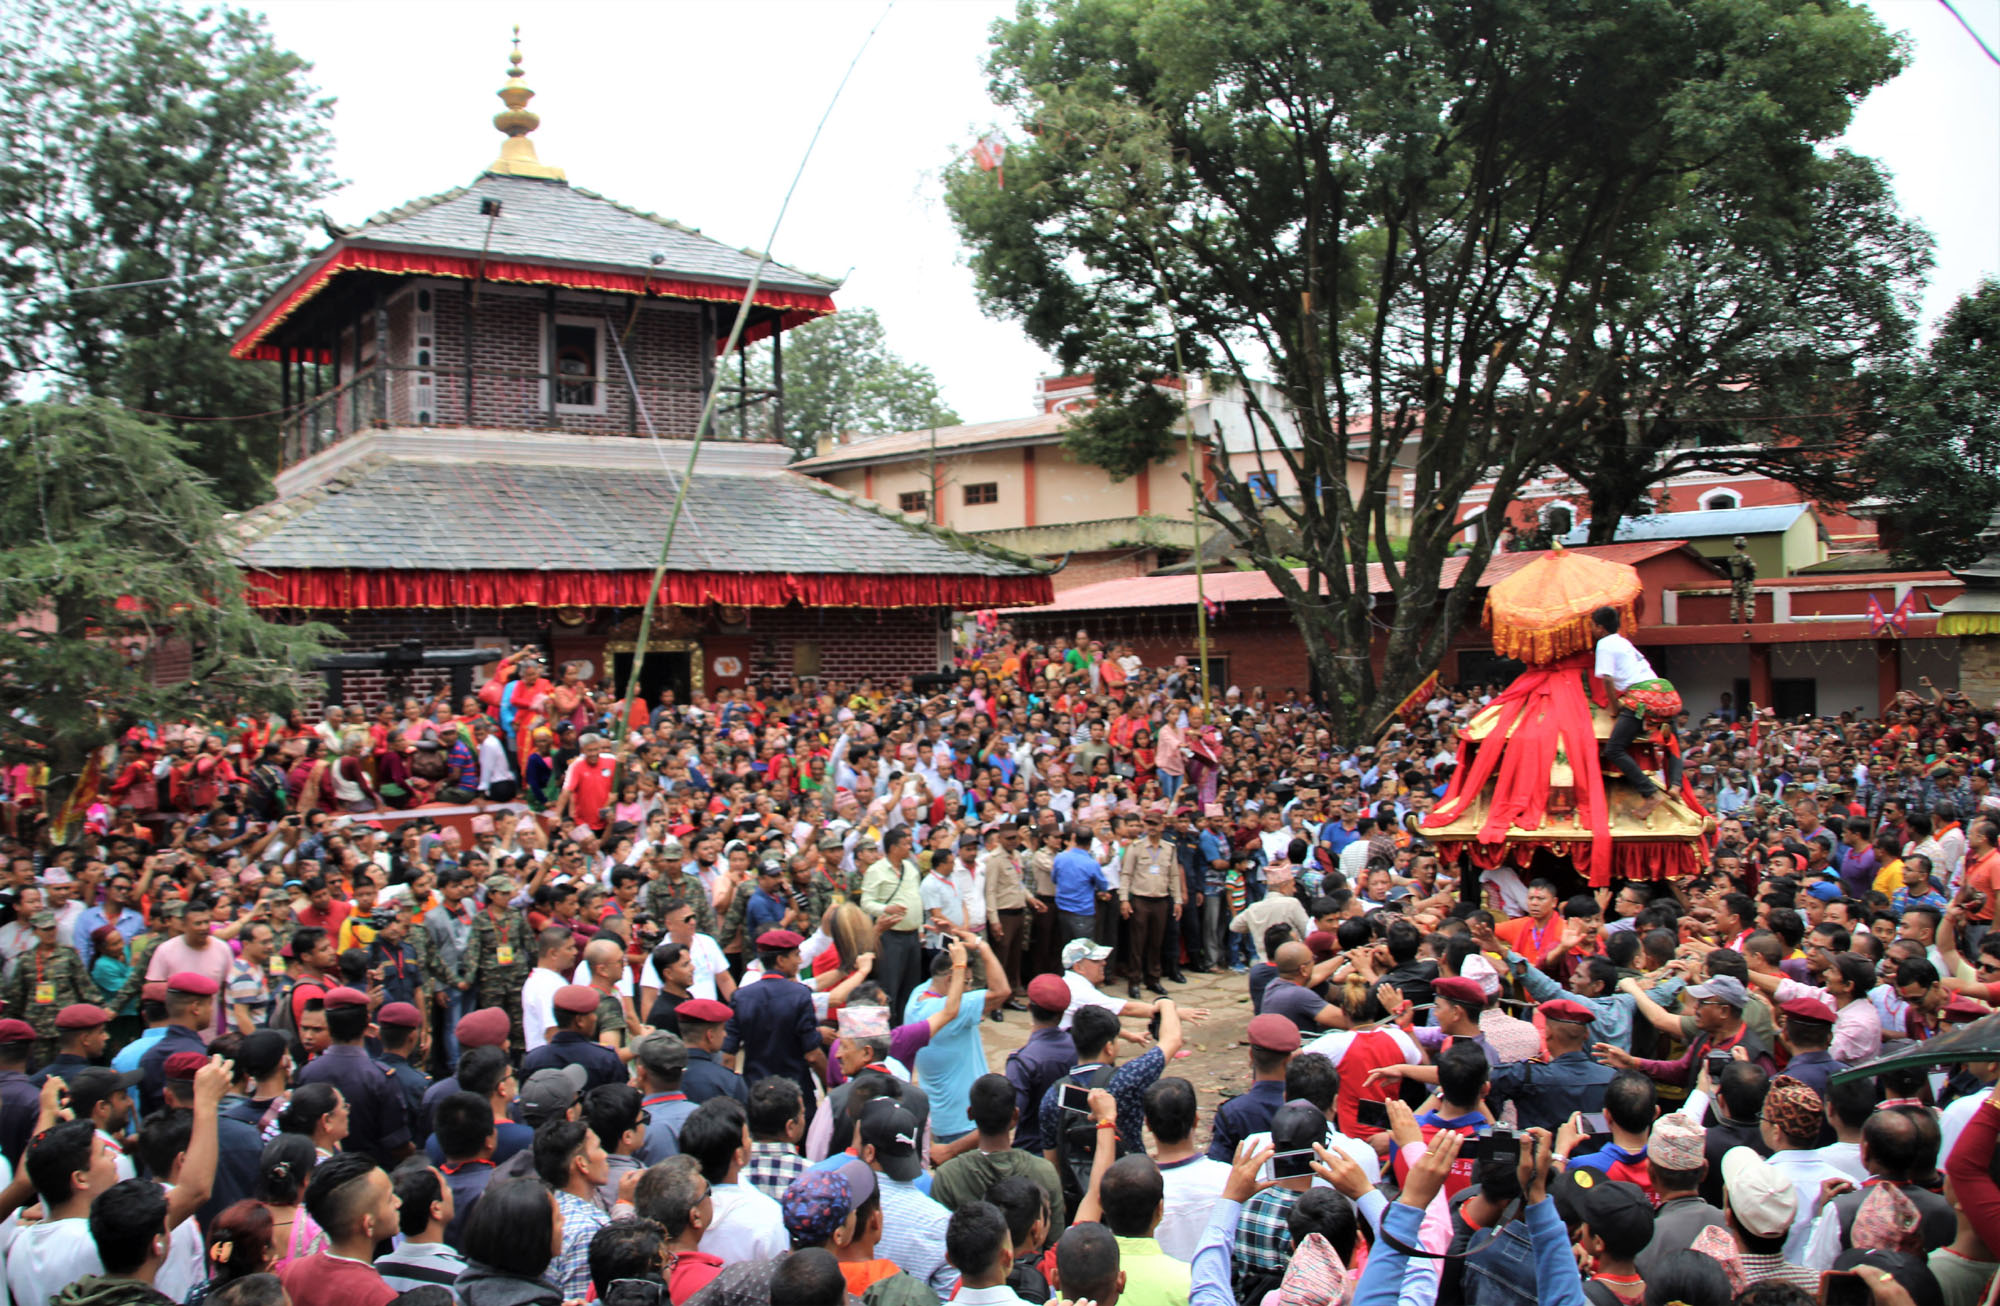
1150 891
1008 904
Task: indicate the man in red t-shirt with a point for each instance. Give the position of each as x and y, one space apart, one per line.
586 791
1982 869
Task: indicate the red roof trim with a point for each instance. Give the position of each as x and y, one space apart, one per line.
802 307
361 588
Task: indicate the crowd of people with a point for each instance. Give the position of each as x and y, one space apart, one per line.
546 997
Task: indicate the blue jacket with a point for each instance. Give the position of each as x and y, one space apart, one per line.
1555 1266
1079 879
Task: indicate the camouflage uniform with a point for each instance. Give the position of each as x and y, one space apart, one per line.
139 951
496 982
59 981
611 1018
818 895
681 885
1742 585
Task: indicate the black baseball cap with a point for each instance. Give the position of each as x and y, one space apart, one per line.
892 1132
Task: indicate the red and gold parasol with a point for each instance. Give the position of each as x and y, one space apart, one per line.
1541 613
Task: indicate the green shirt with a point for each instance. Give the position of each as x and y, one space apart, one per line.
969 1176
884 885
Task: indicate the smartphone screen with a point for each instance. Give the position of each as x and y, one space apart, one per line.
1373 1114
1292 1165
1594 1122
1074 1097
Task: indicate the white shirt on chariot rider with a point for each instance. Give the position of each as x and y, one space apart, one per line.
1620 664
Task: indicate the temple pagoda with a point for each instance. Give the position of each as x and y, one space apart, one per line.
491 393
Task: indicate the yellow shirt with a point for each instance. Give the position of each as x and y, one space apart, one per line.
1152 1278
1889 878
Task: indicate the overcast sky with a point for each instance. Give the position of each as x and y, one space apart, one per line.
700 110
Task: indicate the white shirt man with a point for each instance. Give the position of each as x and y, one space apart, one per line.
538 1004
706 954
494 764
970 881
748 1226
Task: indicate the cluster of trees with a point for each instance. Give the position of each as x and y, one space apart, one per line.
145 151
1476 241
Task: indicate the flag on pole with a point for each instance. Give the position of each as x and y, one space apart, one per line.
1878 621
1900 618
1210 606
991 156
1412 706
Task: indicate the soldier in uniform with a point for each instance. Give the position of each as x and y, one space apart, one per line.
810 890
399 1023
83 1029
833 863
674 882
1742 583
442 942
575 1041
166 924
501 953
44 981
1544 1093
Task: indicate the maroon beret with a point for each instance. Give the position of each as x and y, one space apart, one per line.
1808 1009
345 997
400 1014
1574 1013
194 982
153 991
16 1031
485 1028
82 1015
185 1065
1049 993
1465 992
1273 1033
1961 1008
577 999
779 941
703 1011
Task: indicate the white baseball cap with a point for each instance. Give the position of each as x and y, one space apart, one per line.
1764 1200
1077 950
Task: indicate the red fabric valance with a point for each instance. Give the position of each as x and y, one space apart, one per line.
350 588
801 306
1631 859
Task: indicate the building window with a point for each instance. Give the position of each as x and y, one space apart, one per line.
920 501
1720 501
579 364
983 492
1263 486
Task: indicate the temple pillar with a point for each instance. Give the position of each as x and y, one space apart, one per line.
1760 675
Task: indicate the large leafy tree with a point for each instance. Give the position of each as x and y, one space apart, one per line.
144 143
113 564
1936 466
841 375
1435 226
1746 349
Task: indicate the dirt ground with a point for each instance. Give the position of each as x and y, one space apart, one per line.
1218 1057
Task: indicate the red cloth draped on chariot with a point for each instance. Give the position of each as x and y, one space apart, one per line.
1528 778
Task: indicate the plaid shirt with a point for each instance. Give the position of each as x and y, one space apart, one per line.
581 1221
1263 1239
771 1169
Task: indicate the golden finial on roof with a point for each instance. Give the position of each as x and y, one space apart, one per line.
517 156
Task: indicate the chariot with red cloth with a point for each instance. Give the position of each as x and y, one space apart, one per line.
1529 788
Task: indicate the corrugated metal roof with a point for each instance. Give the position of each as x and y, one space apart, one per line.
1703 524
862 448
1255 586
393 515
552 222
